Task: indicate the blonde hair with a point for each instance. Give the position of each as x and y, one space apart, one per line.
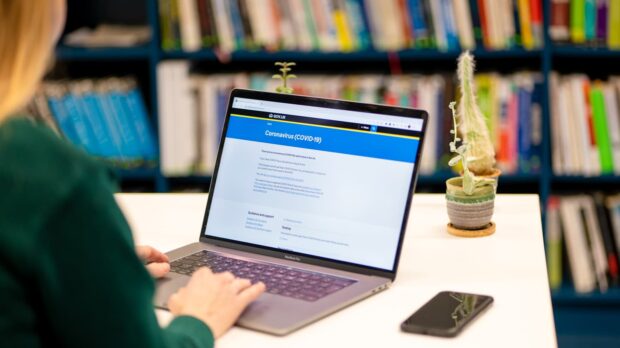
26 46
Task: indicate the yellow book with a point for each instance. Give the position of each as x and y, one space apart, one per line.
343 31
613 35
525 22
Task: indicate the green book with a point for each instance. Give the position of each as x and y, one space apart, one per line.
613 28
601 132
554 243
578 21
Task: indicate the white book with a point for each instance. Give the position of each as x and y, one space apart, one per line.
224 26
557 150
576 246
597 248
207 90
190 25
570 144
262 22
304 38
581 127
464 24
613 123
494 27
186 123
166 101
287 28
326 29
438 25
428 90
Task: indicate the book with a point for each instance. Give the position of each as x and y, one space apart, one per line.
595 241
525 20
607 235
553 243
560 20
613 24
581 263
464 24
190 28
578 21
601 130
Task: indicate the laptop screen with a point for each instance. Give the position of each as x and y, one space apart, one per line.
322 181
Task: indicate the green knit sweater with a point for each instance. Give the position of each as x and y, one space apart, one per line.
69 275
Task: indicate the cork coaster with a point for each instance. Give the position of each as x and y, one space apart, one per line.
487 231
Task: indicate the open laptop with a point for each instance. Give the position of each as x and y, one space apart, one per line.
310 196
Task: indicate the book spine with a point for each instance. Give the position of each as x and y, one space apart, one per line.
484 23
577 21
560 20
554 243
613 25
420 28
167 31
99 126
525 23
601 21
127 131
475 19
342 28
449 22
310 21
358 23
237 24
537 22
84 135
139 117
590 20
601 130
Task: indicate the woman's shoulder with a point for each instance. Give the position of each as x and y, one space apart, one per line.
33 157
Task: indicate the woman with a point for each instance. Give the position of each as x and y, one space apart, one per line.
69 274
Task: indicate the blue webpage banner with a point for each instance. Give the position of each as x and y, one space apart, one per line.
322 138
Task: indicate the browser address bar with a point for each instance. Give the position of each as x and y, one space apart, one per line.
334 114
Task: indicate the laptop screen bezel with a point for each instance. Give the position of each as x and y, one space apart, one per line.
296 256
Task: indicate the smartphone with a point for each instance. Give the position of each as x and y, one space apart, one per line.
446 314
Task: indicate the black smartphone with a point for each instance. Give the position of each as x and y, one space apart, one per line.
446 314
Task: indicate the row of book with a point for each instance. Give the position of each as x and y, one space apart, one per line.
106 117
583 240
586 22
349 25
585 125
192 111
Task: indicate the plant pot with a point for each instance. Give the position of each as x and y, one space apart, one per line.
469 212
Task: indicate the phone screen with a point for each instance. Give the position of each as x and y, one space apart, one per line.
446 313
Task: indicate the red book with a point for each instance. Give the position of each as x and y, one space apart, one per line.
590 120
483 24
559 29
537 21
407 23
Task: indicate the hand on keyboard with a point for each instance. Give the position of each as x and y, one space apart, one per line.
216 299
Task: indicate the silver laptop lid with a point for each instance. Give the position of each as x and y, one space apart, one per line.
315 179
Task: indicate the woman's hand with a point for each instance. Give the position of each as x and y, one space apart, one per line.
157 263
216 299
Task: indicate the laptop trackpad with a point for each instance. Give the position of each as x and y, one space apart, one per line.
167 286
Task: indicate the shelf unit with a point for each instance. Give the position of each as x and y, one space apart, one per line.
540 183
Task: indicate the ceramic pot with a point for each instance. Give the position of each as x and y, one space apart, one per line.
469 212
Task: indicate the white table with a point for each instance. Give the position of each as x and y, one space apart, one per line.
510 266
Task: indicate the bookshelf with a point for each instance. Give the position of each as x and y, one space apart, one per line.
547 59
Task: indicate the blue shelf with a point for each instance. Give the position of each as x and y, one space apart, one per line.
367 55
75 53
441 177
137 173
584 52
585 180
566 295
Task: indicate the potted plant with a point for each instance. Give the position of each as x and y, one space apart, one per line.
470 197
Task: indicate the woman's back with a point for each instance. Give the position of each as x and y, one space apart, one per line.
69 274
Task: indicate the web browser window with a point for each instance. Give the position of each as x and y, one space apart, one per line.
319 181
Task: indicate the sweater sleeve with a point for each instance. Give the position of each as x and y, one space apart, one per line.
94 289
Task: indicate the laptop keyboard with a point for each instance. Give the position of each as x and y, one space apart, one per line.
280 280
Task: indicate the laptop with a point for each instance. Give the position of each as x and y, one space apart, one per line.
310 196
